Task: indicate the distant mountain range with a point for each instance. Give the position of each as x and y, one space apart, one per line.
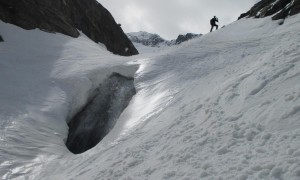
154 40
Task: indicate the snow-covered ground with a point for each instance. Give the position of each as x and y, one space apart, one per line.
223 106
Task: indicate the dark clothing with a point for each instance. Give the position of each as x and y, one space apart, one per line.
213 23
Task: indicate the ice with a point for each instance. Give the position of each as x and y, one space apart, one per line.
99 116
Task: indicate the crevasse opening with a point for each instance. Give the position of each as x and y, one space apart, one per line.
89 126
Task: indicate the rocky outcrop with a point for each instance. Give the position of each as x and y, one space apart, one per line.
69 17
182 38
278 9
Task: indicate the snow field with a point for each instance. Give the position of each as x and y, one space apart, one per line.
45 78
223 106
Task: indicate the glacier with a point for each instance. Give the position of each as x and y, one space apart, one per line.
222 106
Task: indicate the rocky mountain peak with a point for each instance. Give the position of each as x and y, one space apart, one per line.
278 9
67 17
145 38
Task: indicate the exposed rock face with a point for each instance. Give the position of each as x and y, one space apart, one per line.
280 9
188 36
67 17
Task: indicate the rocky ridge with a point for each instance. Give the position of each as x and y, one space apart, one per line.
154 40
278 9
148 39
182 38
69 17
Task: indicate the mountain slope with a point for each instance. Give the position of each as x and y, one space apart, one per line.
278 9
69 17
223 106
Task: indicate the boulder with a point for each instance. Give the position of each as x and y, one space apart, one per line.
67 17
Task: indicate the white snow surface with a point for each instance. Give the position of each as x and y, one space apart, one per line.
223 106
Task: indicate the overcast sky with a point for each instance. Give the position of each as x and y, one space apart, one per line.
169 18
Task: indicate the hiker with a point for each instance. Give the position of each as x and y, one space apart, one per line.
213 23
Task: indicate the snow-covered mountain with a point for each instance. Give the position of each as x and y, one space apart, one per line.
225 105
148 39
149 42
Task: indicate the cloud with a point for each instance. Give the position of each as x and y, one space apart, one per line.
134 17
169 18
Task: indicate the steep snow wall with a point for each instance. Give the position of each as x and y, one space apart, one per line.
99 116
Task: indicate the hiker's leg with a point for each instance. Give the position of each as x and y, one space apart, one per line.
211 28
217 26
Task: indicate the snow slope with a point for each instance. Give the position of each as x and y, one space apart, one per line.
45 78
223 106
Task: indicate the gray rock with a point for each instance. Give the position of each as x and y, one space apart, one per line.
277 9
67 17
182 38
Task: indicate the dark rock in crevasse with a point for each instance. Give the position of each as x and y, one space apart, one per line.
99 116
1 40
67 17
278 9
